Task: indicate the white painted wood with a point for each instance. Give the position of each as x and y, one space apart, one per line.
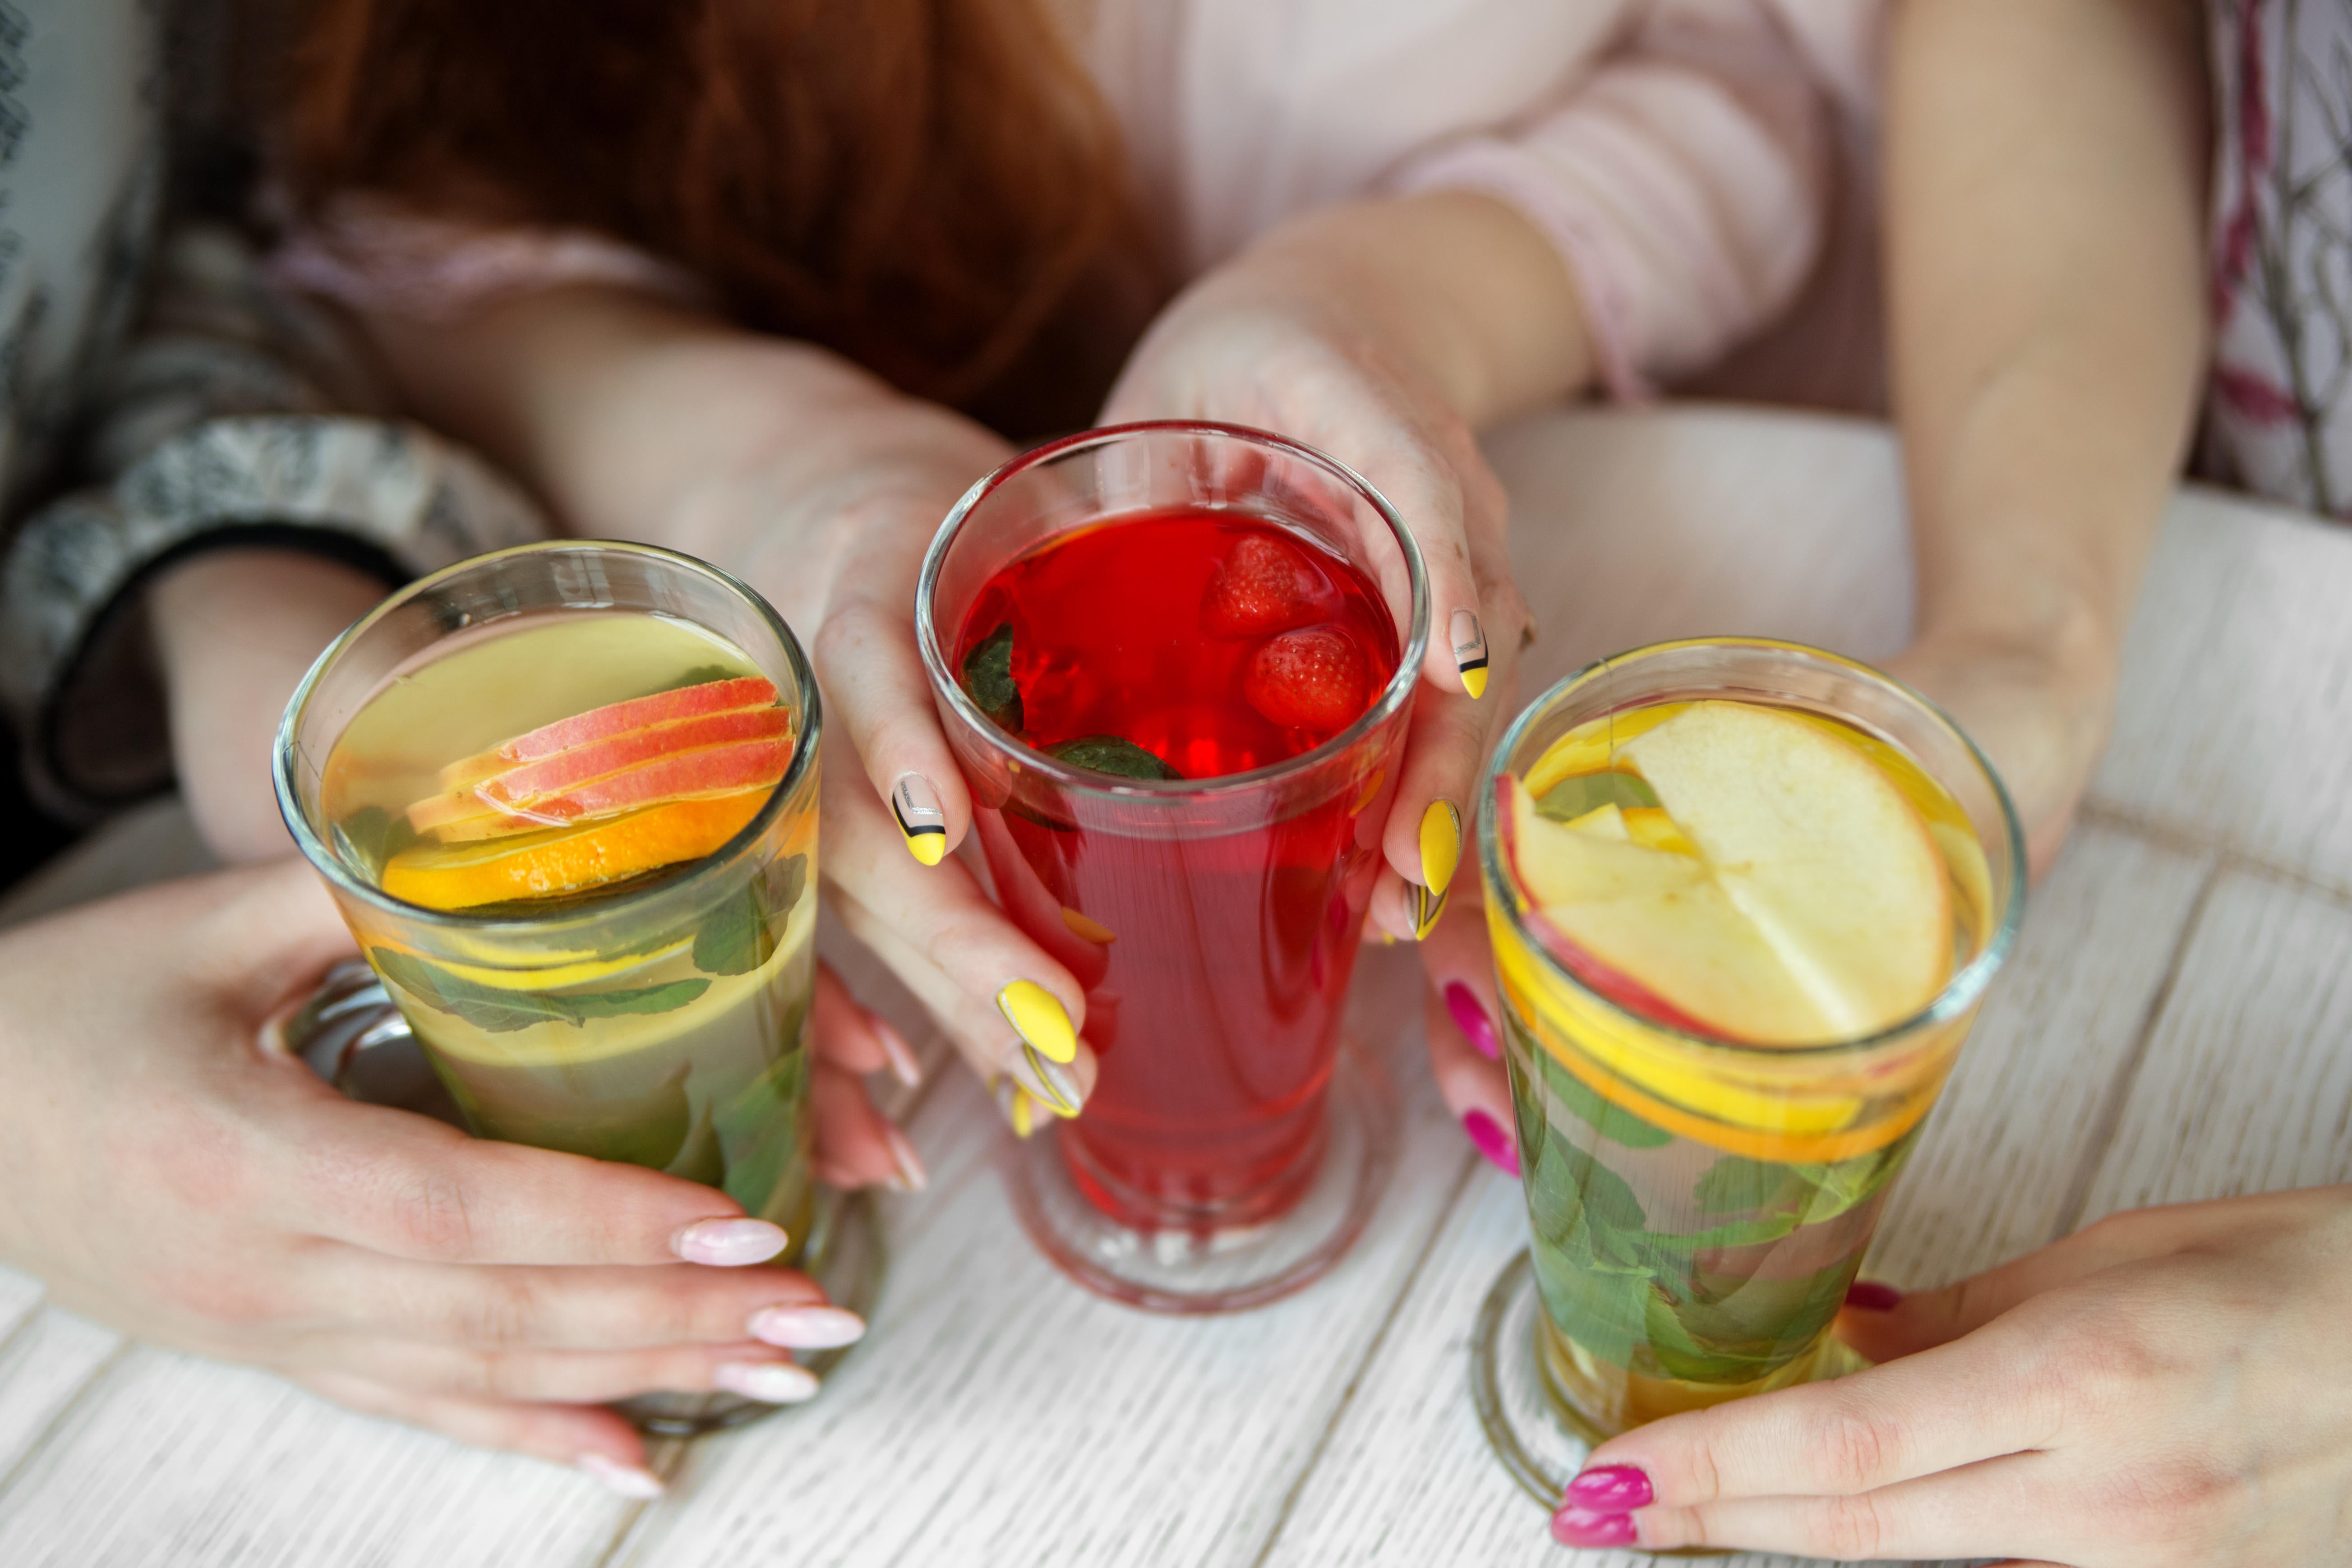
998 1414
1407 1478
46 1363
2247 1083
2235 709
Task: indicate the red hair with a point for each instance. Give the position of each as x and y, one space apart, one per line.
918 184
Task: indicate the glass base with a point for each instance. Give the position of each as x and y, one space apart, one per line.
350 1034
1210 1268
1535 1419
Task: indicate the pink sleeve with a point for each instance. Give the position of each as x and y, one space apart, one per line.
375 256
1685 180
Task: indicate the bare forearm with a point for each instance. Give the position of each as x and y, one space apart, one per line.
2045 173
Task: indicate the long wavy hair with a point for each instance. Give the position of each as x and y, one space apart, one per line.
920 184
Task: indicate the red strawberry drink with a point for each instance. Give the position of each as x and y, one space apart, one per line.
1183 769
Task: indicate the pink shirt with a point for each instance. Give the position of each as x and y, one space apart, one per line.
1693 161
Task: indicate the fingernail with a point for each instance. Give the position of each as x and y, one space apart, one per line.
903 1065
1462 1004
1574 1526
1492 1140
807 1328
628 1480
769 1381
1872 1296
728 1243
1055 1087
1086 928
1423 907
921 818
912 1176
1441 844
1610 1489
1013 1103
1038 1018
1470 653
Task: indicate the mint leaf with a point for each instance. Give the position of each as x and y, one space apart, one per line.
1739 1232
371 836
988 677
1605 1118
761 1126
497 1011
1849 1183
1572 797
743 934
1111 754
1735 1183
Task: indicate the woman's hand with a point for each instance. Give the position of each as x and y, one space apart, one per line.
1385 333
170 1170
2167 1386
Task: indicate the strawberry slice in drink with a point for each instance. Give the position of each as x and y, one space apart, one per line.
1265 585
1316 678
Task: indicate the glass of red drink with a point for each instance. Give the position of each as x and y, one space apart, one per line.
1175 662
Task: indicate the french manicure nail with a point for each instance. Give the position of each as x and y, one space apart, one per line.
1056 1089
1036 1016
769 1381
1013 1103
915 805
1462 1006
1423 907
626 1480
807 1328
1492 1140
1872 1296
1610 1489
904 1066
1573 1526
1469 652
728 1243
1441 844
912 1176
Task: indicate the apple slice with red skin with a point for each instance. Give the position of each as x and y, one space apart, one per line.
611 719
519 789
687 775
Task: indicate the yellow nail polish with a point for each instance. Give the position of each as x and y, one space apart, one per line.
916 806
1423 907
1012 1102
1441 844
1087 929
1057 1090
1039 1019
1469 653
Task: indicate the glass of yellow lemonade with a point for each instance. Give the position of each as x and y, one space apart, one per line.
565 796
1745 897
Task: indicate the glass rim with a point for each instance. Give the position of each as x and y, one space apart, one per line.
1963 991
1080 780
323 859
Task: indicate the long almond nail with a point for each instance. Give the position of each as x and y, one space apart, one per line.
1015 1105
807 1328
728 1243
904 1065
1610 1489
769 1381
1441 844
624 1480
1573 1526
1423 907
1470 653
1462 1006
1056 1086
1037 1016
921 818
912 1176
1872 1296
1492 1140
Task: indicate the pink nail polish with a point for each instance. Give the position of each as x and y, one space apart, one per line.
1573 1526
1492 1140
626 1480
1872 1296
904 1066
728 1243
1472 1020
807 1328
1610 1489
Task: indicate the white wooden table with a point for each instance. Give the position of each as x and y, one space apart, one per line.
2176 1024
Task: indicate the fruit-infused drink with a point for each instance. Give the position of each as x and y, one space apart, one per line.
565 799
1176 684
1743 900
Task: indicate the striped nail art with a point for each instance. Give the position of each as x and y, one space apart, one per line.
915 805
1423 907
1057 1090
1470 652
1013 1103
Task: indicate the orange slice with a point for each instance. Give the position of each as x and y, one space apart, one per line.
567 859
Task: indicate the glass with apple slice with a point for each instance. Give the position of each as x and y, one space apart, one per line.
565 796
1745 897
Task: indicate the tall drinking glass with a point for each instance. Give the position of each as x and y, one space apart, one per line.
660 1019
1700 1202
1213 918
